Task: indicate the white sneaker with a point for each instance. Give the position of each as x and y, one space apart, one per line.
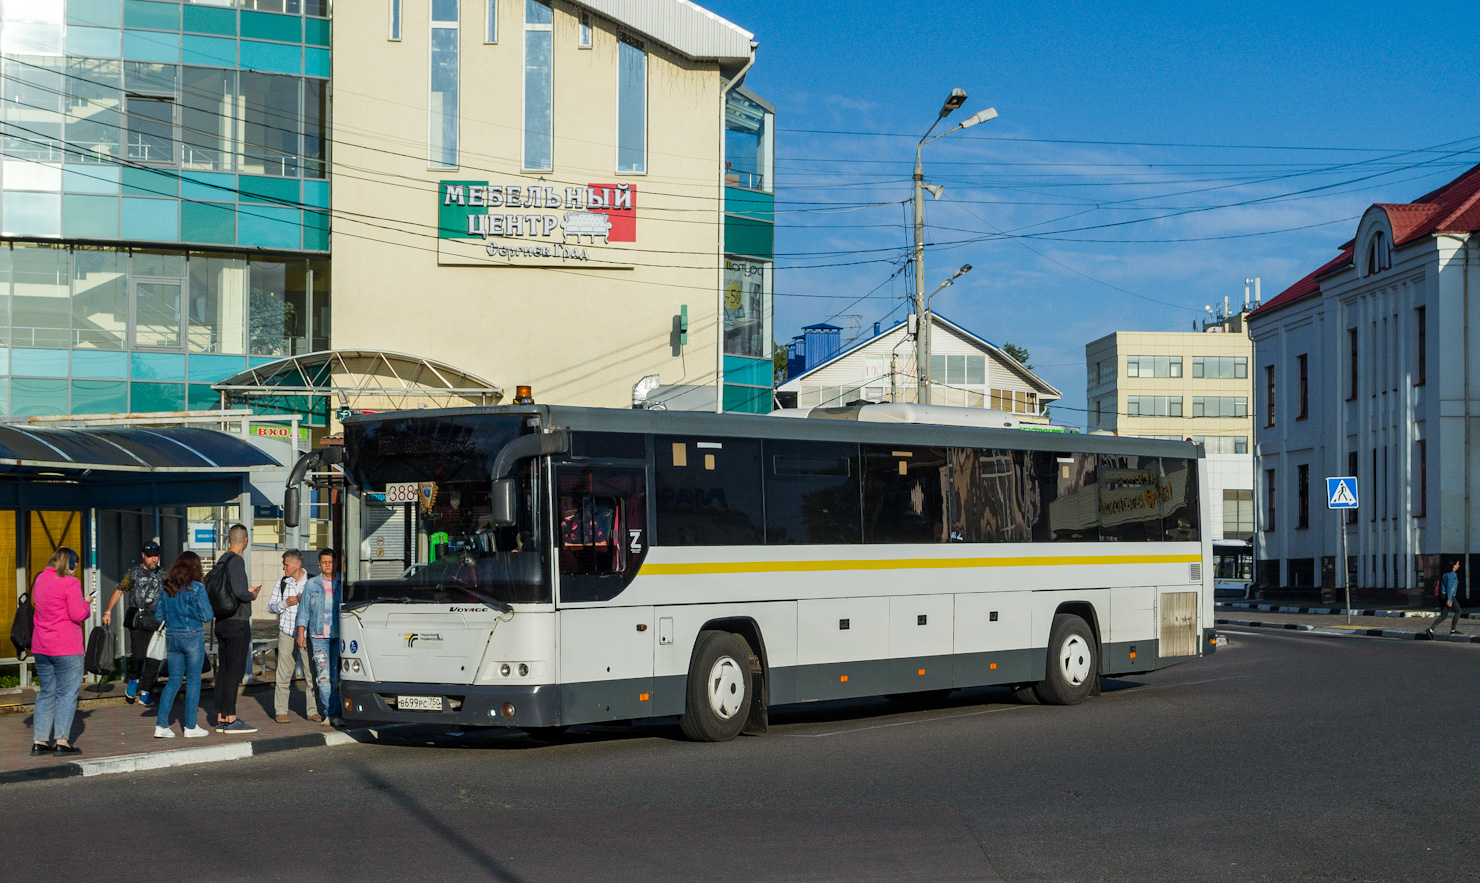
196 732
166 733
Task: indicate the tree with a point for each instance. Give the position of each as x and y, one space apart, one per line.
778 363
1017 352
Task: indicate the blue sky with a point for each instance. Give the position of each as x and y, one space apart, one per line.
1195 131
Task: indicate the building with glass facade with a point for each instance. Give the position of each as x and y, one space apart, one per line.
164 198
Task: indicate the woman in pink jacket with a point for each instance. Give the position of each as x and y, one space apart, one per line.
57 645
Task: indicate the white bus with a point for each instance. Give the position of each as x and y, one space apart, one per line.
1233 569
542 566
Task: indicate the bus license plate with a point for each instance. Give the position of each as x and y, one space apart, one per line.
418 703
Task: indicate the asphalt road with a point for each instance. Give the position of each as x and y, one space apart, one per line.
1282 757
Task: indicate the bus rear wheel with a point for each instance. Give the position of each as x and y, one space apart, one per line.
717 701
1073 662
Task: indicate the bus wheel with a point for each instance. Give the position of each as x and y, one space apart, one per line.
1027 694
1073 662
718 697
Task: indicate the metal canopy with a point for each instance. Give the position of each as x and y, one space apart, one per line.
174 449
393 379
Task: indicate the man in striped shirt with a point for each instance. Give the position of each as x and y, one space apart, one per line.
285 599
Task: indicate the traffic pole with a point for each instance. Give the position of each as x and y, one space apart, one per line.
1346 574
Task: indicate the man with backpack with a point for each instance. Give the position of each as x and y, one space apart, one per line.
1446 592
231 600
142 584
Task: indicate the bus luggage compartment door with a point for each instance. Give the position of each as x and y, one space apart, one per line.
606 663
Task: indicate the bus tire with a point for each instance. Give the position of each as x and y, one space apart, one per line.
717 701
1073 667
1027 694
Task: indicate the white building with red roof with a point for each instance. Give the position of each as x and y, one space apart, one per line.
1368 367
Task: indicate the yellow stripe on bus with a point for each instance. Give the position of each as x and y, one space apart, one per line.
904 564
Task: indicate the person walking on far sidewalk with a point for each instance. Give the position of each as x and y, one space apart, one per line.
234 633
1448 600
57 644
184 609
285 601
318 629
141 586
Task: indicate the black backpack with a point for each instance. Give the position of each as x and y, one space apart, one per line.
99 658
23 629
218 588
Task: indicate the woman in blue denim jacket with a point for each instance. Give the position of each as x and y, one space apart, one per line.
318 630
184 610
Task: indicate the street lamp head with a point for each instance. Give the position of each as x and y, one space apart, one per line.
965 268
955 100
981 117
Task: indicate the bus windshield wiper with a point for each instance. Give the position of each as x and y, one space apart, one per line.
356 605
487 600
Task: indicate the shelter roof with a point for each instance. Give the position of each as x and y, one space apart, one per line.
34 449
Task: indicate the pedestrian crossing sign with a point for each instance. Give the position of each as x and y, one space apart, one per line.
1341 493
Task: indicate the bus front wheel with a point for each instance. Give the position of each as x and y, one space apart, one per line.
1073 662
718 697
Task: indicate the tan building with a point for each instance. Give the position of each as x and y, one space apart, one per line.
1184 385
542 194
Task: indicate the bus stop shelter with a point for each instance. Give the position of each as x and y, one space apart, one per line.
101 490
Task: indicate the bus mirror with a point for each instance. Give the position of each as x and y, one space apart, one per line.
505 502
290 506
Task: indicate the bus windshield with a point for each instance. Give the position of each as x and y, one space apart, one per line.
426 532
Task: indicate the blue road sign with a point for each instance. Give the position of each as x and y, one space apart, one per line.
1341 493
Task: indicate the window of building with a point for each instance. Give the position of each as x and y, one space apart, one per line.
1379 253
151 129
1107 371
34 106
1153 366
1376 498
395 32
1269 500
1304 387
1223 444
208 120
268 146
746 319
218 304
442 101
1153 406
94 108
585 29
1220 406
813 492
100 307
1351 347
631 107
539 150
709 492
490 21
1420 317
1220 367
749 143
1238 515
1302 479
1351 469
1268 395
1421 485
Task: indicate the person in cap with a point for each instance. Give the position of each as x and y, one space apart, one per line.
142 584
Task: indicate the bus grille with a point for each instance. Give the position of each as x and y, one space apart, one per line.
1196 573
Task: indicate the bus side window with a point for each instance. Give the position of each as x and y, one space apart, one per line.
600 529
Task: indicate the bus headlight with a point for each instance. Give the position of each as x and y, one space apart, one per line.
504 669
354 665
523 670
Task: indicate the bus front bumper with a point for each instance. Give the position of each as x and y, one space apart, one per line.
462 704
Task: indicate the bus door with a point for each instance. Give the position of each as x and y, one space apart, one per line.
601 538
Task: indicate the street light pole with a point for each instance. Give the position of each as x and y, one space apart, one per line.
922 340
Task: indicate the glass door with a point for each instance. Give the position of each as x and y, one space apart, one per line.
157 313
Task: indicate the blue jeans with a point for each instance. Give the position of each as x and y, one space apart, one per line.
185 653
326 673
56 701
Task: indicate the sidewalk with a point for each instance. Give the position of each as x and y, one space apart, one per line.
1377 624
1275 607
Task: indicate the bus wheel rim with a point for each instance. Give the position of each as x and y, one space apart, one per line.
726 688
1074 660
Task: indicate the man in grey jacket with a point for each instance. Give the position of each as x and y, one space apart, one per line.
234 633
1448 600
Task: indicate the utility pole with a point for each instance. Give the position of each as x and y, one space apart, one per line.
922 332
